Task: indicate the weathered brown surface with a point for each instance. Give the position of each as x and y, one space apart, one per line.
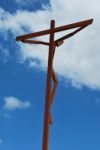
50 72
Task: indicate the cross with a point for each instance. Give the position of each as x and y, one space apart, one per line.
52 44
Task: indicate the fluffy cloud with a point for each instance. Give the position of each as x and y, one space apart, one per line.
12 103
78 59
4 54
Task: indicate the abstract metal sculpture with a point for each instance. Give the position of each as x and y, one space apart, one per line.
50 73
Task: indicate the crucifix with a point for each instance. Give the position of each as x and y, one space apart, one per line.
52 44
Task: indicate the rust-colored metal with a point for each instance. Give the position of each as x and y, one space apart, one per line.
58 29
50 72
35 42
47 118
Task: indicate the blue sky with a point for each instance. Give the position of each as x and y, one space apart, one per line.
76 108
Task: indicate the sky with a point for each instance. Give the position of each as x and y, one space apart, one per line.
23 69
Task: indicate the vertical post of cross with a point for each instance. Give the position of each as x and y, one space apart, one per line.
48 87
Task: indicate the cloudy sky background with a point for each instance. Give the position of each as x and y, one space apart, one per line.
80 55
23 70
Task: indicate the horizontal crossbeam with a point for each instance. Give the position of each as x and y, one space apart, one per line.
68 35
35 42
57 29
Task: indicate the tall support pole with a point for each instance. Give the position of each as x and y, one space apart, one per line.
48 88
50 71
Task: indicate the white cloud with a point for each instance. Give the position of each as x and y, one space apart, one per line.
79 58
1 141
5 54
12 103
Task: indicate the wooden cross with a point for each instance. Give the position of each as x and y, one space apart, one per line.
50 72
